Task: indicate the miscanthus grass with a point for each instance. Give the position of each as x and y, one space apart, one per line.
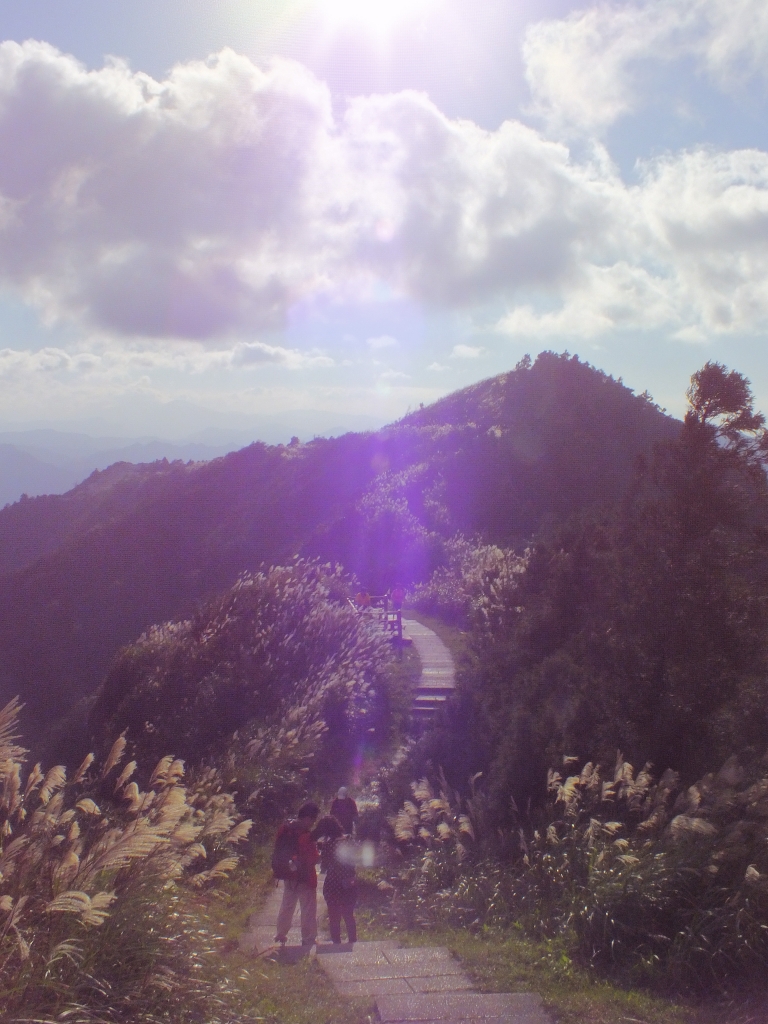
93 926
631 875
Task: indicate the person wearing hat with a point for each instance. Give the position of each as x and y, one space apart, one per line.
344 810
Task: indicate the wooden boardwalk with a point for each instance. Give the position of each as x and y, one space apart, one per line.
438 671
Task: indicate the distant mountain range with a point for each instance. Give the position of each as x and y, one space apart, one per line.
83 573
51 461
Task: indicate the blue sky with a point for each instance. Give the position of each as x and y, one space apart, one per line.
247 208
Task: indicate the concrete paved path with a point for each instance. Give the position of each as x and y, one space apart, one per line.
437 680
416 985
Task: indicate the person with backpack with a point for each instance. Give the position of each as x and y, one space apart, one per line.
340 886
293 862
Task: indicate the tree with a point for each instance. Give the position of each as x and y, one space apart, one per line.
645 630
721 400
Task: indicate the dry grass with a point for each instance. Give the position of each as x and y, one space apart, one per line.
91 923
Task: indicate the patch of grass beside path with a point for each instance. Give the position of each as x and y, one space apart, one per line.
251 988
510 963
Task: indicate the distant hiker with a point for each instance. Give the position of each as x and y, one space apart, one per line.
397 596
344 810
340 886
293 861
363 599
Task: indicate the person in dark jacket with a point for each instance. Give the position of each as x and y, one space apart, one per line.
344 810
340 886
302 888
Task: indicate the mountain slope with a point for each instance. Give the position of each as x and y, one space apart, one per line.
137 545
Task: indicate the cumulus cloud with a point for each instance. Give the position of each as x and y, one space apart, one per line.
206 206
213 201
257 352
466 351
582 70
690 254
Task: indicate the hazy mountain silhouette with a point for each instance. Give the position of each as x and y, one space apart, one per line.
85 572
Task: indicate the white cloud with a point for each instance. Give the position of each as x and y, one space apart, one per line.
466 352
383 341
389 375
438 367
256 353
689 251
211 202
205 206
582 70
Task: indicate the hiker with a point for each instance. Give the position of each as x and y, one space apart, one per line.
397 597
344 810
293 860
340 886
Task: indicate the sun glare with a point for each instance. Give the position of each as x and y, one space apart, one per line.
376 17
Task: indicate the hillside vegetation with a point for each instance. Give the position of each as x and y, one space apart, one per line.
87 572
603 771
597 788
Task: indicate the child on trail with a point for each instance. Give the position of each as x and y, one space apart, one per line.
340 886
294 859
344 810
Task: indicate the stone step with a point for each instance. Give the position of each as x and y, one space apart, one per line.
381 972
458 1008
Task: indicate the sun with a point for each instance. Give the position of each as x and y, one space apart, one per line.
375 17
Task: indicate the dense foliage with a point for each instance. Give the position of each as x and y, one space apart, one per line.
636 875
282 652
645 631
84 573
92 923
462 590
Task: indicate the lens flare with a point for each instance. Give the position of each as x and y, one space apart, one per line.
375 17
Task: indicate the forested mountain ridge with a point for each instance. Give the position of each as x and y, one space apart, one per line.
39 526
137 545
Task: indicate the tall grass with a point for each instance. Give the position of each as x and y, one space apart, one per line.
92 924
644 880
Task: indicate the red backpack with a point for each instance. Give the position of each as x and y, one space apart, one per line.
285 855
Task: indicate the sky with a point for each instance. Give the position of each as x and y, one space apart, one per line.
213 211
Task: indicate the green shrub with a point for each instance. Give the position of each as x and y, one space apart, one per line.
646 881
465 587
282 648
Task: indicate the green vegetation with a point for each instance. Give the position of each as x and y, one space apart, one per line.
85 573
93 923
627 874
645 632
280 654
599 574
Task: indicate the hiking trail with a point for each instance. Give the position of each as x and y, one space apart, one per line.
424 984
